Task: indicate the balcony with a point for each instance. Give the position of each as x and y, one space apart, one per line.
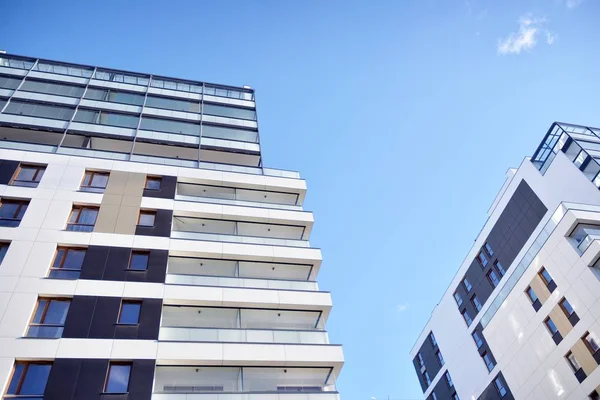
238 232
243 383
241 325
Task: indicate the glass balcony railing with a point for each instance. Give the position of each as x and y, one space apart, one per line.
195 280
180 334
238 239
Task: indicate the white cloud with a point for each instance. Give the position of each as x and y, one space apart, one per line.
530 30
402 307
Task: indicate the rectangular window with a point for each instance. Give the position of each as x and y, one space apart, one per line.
581 157
49 318
493 278
489 363
432 339
147 218
467 285
591 342
3 250
107 118
64 69
153 183
59 89
170 126
482 259
139 260
477 339
28 175
458 299
433 396
15 62
420 358
82 219
29 379
130 312
7 82
12 211
550 325
117 378
30 109
575 366
500 387
229 112
114 96
448 380
121 77
173 104
438 354
489 250
566 307
545 276
455 397
531 294
426 378
94 181
467 317
476 303
219 132
500 268
67 263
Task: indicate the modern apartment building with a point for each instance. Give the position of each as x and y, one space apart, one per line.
146 253
520 319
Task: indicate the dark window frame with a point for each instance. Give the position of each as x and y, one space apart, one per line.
548 318
564 309
500 387
488 249
20 205
482 258
490 280
108 372
26 365
501 270
458 299
129 302
440 358
37 175
153 179
147 212
134 253
587 343
490 365
544 279
475 301
465 314
79 209
91 188
466 284
41 323
65 252
479 340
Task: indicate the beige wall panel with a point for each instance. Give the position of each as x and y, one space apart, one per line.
107 218
561 321
117 181
127 220
112 199
135 184
540 289
132 201
584 357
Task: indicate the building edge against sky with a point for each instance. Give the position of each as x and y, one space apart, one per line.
145 251
520 318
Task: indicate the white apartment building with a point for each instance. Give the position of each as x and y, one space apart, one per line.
145 251
520 319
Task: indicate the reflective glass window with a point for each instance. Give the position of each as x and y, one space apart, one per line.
591 342
117 379
39 110
28 175
467 284
172 104
13 62
550 325
218 132
229 112
114 96
94 181
476 303
106 118
59 89
493 278
114 76
500 387
176 85
3 250
82 219
477 339
147 218
164 125
139 260
458 299
29 379
231 93
12 211
64 69
130 312
67 263
531 294
49 318
7 82
566 307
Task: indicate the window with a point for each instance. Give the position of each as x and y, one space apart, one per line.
64 69
591 342
487 359
500 387
458 299
531 294
67 263
573 361
500 268
114 96
115 76
448 379
594 395
218 132
580 159
482 259
493 278
29 379
153 183
455 397
489 250
18 107
476 303
229 112
49 318
130 312
426 378
170 126
60 89
467 285
420 358
117 379
106 118
172 104
438 354
147 218
551 326
94 181
8 82
546 278
433 396
82 219
139 260
12 211
432 339
566 307
477 339
28 175
467 317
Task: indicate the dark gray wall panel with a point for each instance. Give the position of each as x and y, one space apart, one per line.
167 189
491 393
443 391
7 170
432 364
111 264
162 225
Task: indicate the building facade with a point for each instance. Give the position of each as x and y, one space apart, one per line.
145 251
520 319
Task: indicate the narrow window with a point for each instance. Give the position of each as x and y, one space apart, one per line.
591 342
82 219
476 303
531 294
500 387
153 183
500 268
147 218
49 318
29 379
489 250
438 354
67 263
573 361
12 211
139 260
28 175
493 278
458 299
117 379
3 250
455 397
432 339
550 325
545 277
130 312
420 358
566 307
433 396
467 285
482 259
477 339
467 317
448 379
426 378
94 181
489 363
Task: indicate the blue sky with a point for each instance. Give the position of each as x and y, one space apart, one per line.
403 116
